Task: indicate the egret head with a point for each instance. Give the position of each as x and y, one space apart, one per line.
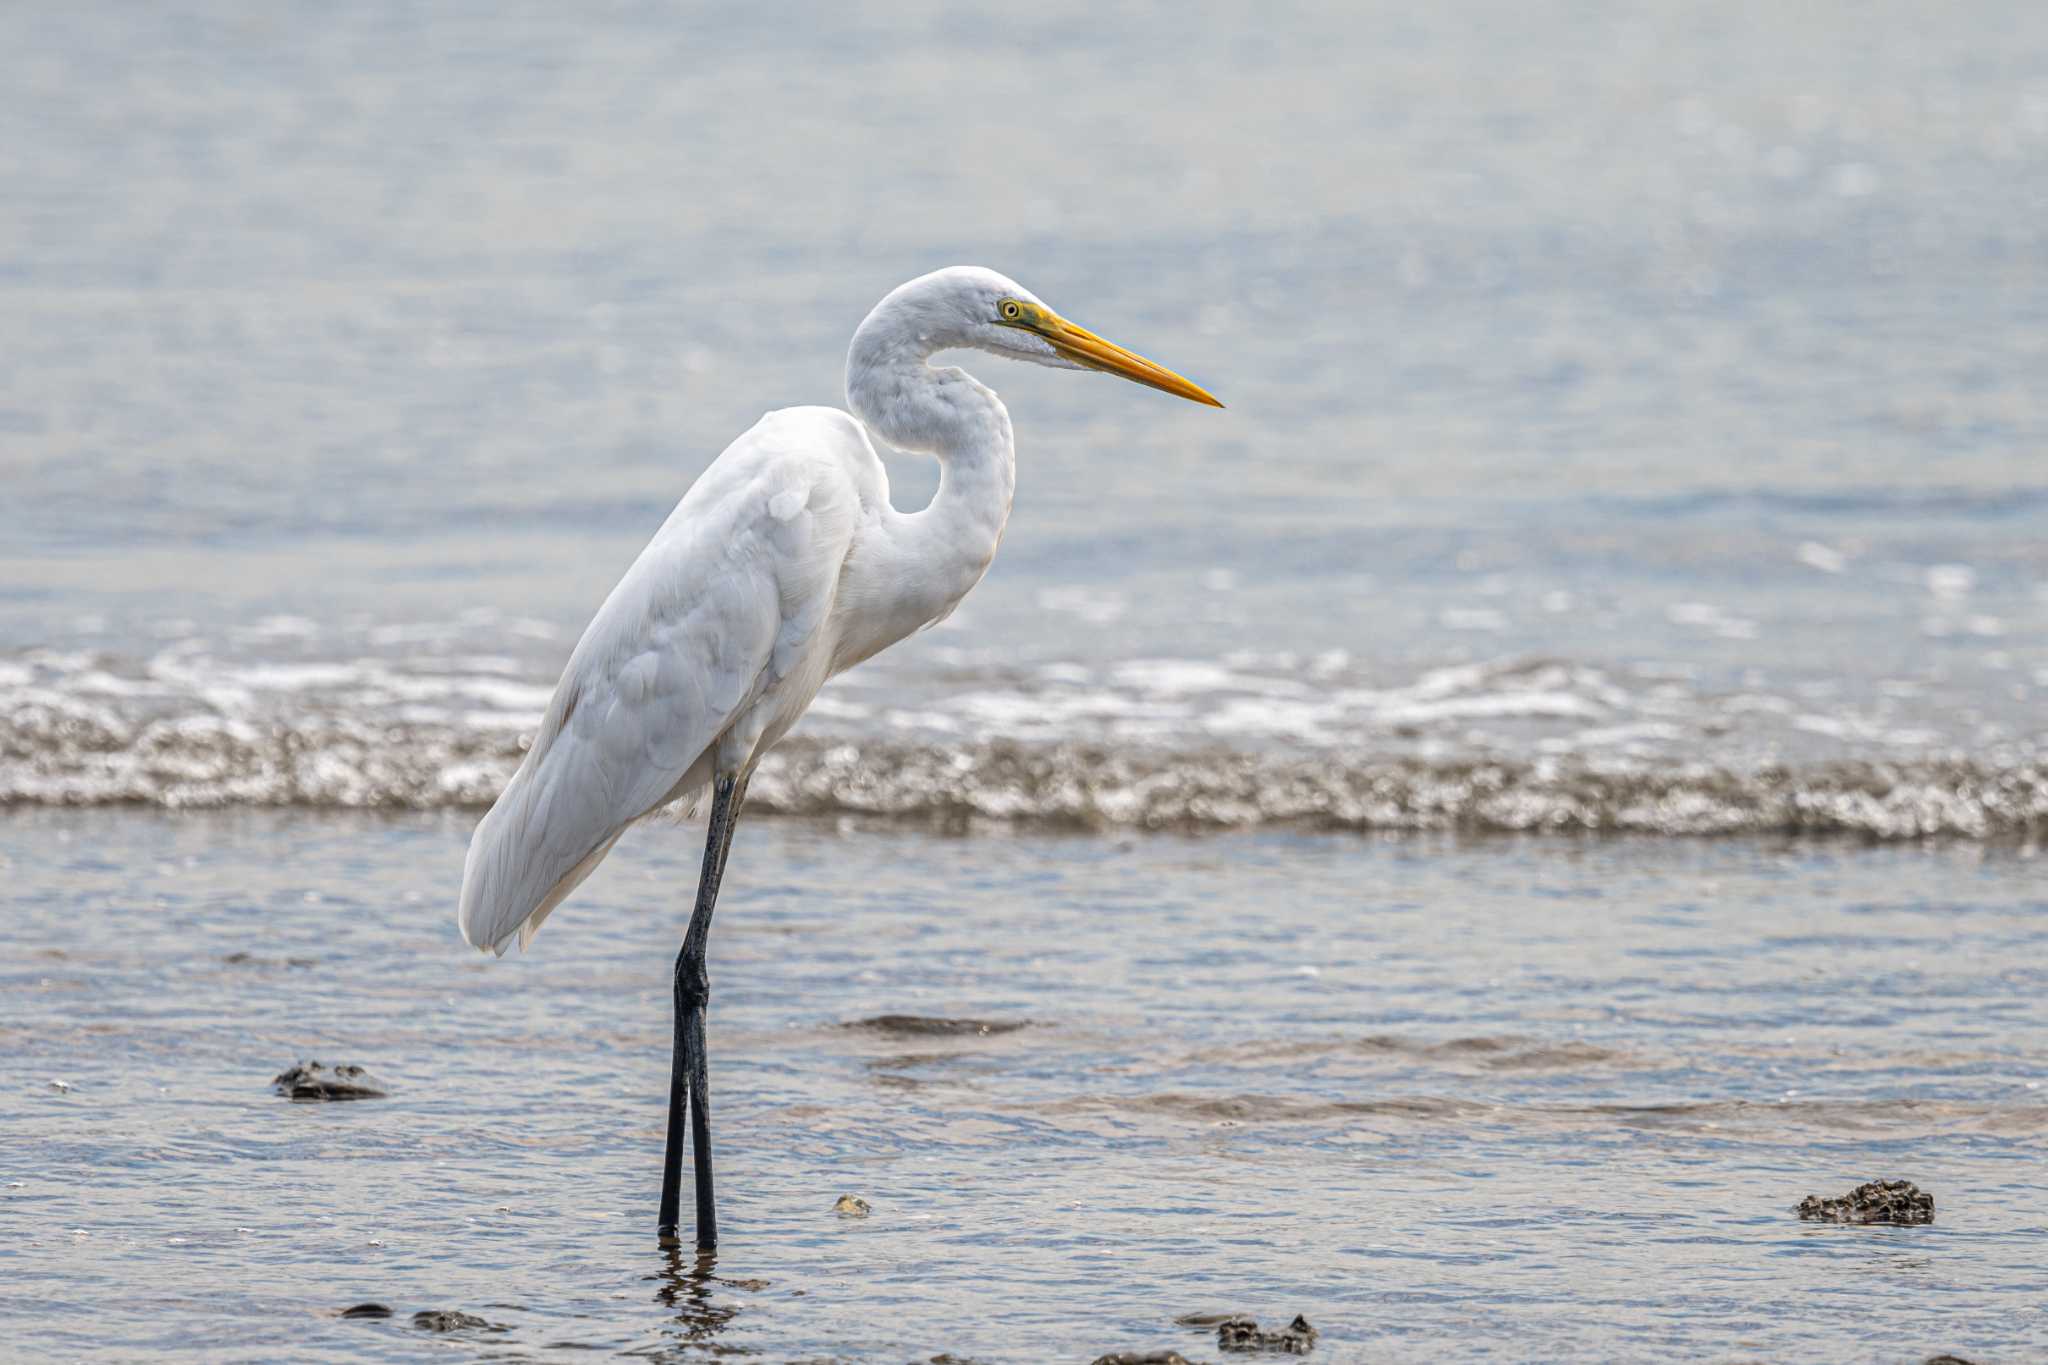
975 307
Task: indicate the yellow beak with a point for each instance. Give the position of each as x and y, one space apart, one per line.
1083 347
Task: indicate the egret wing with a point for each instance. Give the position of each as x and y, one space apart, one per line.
723 610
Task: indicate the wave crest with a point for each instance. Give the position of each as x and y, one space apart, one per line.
58 749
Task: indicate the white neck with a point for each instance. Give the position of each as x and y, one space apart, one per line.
923 563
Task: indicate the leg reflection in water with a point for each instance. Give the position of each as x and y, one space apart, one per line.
687 1282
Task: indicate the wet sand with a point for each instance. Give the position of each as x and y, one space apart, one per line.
1533 1097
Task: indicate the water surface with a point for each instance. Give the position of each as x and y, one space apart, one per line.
1635 430
1524 1098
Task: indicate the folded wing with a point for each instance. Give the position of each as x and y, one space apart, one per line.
723 617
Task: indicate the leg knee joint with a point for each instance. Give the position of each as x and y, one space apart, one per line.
693 984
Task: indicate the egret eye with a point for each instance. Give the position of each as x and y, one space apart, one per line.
1012 310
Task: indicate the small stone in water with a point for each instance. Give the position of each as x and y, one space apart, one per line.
1297 1338
447 1320
851 1206
1879 1201
367 1310
316 1081
1142 1358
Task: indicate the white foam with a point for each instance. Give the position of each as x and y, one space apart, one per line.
1494 706
1096 606
1269 716
1951 582
1638 734
1707 616
1181 677
1825 558
829 707
299 677
282 627
193 728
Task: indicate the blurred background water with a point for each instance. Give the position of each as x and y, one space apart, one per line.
1636 417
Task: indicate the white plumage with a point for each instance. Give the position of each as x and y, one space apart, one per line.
716 636
782 565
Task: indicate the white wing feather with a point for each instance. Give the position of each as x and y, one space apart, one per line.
718 631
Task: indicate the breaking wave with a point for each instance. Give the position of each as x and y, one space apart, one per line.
76 755
180 731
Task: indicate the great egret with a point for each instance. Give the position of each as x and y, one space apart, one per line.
783 565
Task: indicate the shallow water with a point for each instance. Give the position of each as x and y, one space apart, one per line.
1533 1099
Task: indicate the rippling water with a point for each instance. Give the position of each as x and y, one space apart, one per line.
1636 427
1543 1098
1636 401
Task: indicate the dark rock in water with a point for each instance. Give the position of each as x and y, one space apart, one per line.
1297 1338
1880 1201
240 959
1946 1359
925 1026
1142 1358
446 1320
315 1081
367 1310
1205 1319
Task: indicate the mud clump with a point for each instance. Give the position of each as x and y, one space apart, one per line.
1297 1338
239 959
312 1081
1879 1201
926 1026
448 1320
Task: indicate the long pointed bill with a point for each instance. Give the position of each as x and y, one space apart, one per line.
1083 347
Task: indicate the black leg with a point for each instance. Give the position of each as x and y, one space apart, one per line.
688 1086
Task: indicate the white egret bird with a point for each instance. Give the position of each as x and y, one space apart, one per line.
783 565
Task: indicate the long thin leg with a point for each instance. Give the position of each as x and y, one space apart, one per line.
689 1083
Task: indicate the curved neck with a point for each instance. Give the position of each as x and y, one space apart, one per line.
927 561
910 403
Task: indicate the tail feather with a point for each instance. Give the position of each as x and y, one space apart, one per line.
552 825
528 853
